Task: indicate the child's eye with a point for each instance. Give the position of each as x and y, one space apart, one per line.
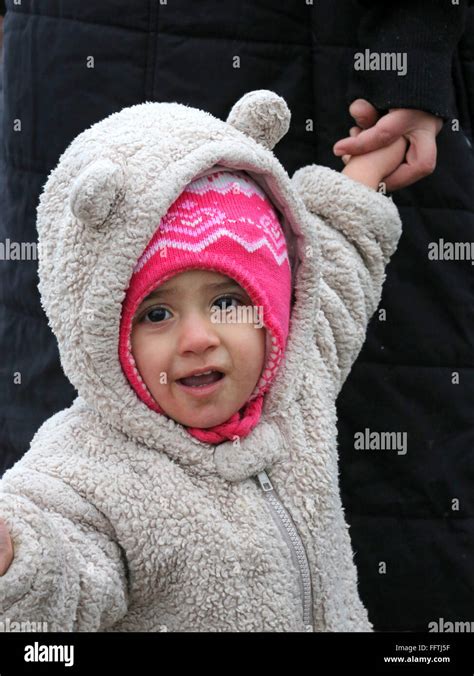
154 315
226 298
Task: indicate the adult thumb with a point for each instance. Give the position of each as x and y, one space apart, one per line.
364 113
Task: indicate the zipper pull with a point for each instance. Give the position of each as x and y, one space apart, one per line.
264 481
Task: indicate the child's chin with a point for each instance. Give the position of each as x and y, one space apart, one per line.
207 422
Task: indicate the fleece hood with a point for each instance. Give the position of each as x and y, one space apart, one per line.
99 208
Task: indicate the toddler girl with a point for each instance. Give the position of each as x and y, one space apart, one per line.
207 310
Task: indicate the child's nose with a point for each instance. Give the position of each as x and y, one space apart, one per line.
197 333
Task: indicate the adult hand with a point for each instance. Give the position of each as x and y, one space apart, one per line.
418 127
6 548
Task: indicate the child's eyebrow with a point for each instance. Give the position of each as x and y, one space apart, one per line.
172 290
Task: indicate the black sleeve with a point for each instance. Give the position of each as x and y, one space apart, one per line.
418 39
2 8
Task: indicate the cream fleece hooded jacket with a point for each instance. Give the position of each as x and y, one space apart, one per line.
121 520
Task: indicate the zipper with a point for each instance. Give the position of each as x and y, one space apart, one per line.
291 536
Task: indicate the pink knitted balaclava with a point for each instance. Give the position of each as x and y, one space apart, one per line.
224 222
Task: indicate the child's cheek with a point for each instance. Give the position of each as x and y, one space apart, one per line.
142 348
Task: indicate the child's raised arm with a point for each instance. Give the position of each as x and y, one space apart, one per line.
356 230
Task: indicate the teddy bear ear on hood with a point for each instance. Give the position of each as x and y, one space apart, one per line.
94 192
262 115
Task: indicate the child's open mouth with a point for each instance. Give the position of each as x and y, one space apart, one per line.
201 384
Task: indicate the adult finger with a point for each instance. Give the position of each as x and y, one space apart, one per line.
420 161
385 132
364 113
353 131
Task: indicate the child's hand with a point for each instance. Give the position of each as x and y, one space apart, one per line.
6 548
373 167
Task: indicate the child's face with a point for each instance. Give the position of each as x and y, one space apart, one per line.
173 335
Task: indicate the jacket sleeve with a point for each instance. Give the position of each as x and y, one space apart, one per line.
428 35
356 230
67 570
